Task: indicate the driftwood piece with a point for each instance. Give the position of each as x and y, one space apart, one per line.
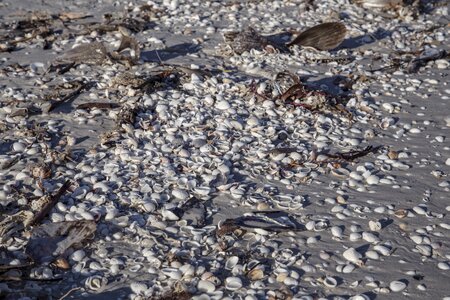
38 217
49 241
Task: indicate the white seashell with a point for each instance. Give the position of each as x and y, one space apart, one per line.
348 268
370 237
352 255
425 250
372 255
101 186
383 250
180 194
443 266
375 225
233 283
231 262
206 286
78 255
420 210
172 273
138 287
96 282
372 179
359 297
336 231
354 236
169 215
330 282
397 286
421 287
222 105
18 147
416 238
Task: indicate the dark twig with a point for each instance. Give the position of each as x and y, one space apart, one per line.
71 96
100 105
47 207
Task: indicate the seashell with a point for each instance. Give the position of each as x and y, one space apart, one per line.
425 250
383 250
372 255
375 225
18 147
78 255
397 286
231 262
379 3
337 231
138 287
222 105
206 286
348 268
401 213
359 297
330 282
172 273
96 282
352 255
370 237
340 173
180 194
255 274
61 263
233 283
325 36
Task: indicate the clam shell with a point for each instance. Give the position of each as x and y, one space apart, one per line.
330 282
352 255
96 282
233 283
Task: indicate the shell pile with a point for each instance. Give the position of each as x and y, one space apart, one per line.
198 166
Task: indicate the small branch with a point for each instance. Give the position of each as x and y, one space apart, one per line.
53 200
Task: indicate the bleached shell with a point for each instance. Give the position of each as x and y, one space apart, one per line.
348 268
397 286
95 282
336 231
383 250
352 255
173 273
78 255
372 254
233 283
222 105
180 194
370 237
330 282
138 287
379 3
231 262
375 225
206 286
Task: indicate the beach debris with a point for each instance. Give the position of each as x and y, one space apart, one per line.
247 39
50 241
325 36
252 175
44 204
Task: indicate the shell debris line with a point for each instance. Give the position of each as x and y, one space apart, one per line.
174 149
